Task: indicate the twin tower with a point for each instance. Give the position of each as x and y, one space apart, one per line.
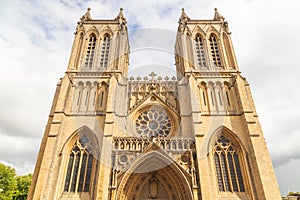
194 136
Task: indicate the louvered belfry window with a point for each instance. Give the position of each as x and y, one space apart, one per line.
201 61
105 51
215 51
90 53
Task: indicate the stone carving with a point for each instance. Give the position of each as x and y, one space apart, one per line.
139 90
153 187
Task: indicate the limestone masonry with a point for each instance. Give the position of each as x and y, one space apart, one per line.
114 137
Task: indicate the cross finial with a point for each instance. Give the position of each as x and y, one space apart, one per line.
152 75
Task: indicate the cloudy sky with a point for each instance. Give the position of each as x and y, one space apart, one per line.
36 38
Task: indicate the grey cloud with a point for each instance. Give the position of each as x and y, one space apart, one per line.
21 152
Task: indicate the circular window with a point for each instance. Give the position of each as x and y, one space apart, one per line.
153 122
123 159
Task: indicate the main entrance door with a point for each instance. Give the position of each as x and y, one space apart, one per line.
155 176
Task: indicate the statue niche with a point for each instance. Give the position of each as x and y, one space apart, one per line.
153 187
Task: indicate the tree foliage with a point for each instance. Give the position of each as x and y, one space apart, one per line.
8 182
13 186
294 193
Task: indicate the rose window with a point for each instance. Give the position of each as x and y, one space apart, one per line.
153 122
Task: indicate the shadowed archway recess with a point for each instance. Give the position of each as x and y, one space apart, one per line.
154 176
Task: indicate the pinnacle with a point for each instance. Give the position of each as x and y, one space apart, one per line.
183 14
120 15
121 11
87 15
218 16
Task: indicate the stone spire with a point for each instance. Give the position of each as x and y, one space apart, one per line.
182 20
218 16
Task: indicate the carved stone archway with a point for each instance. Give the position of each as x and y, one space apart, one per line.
154 176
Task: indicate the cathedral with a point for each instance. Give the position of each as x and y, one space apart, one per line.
195 136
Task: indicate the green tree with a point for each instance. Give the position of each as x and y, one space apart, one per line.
23 184
12 186
8 182
294 193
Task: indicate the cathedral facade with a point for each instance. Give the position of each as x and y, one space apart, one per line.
114 137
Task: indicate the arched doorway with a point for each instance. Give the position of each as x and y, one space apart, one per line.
154 176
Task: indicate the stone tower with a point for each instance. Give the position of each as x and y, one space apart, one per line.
194 136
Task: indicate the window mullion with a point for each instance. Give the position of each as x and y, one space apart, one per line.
78 174
235 171
89 55
203 53
219 172
104 55
229 173
93 51
101 54
222 171
107 51
214 53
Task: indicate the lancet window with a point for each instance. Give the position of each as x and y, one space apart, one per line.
80 164
215 51
105 51
90 51
228 168
201 61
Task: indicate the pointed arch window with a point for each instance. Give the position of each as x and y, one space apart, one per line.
105 51
215 51
201 61
80 164
90 53
228 169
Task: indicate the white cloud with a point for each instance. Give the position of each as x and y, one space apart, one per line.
36 39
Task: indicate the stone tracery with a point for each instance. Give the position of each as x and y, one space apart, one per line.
153 122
